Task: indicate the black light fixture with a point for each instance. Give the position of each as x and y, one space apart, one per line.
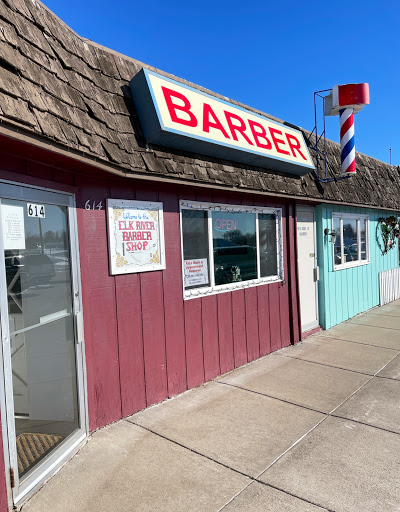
332 234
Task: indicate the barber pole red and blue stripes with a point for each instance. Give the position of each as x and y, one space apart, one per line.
348 153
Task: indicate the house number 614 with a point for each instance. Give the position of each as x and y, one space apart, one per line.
92 206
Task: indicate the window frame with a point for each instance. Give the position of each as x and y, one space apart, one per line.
359 262
214 289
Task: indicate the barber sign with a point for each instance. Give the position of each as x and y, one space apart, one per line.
175 115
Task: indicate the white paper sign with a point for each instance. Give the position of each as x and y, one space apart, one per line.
196 272
13 226
136 236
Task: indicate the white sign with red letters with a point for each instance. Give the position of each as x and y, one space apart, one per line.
218 126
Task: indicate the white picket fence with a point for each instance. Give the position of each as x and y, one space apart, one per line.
389 285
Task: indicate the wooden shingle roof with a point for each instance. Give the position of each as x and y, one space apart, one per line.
59 87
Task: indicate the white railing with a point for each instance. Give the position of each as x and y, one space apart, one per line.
389 285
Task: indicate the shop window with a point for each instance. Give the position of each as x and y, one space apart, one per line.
351 243
229 247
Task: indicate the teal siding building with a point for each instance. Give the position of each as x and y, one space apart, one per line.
346 290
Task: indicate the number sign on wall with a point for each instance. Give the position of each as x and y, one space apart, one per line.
36 210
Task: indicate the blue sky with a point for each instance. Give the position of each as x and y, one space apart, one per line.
269 55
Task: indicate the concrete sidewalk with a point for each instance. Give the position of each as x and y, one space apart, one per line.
312 427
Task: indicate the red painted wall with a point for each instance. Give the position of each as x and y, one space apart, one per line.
143 342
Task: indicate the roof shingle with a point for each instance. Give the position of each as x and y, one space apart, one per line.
72 91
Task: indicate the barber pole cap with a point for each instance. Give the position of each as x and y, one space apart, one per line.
346 100
354 96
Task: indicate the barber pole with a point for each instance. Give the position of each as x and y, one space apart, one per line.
348 152
345 101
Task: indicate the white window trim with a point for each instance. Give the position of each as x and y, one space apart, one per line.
359 262
214 289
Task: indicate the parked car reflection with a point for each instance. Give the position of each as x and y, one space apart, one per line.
26 270
235 263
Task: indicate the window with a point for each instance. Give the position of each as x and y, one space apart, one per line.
351 244
228 247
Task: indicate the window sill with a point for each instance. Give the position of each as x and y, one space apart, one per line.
351 264
204 292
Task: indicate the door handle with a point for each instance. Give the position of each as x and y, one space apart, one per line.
316 274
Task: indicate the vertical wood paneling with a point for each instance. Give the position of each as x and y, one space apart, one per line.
129 323
153 336
210 337
130 338
225 332
274 316
194 343
253 344
151 286
263 319
239 327
99 309
173 297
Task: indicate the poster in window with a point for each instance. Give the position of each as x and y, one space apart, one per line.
135 236
196 272
13 226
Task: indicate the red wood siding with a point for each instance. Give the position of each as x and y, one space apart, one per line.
143 342
173 297
239 328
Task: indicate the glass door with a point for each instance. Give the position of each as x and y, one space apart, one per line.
42 361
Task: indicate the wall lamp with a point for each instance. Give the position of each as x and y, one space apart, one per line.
332 234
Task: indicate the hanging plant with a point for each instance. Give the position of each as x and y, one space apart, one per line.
390 232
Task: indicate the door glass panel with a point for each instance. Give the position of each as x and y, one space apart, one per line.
39 294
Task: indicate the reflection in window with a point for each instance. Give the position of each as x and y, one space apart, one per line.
195 248
363 239
350 246
221 246
268 244
351 243
338 241
234 246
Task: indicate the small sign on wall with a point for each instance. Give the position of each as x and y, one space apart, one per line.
135 236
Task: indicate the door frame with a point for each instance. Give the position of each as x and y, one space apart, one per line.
44 469
312 209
